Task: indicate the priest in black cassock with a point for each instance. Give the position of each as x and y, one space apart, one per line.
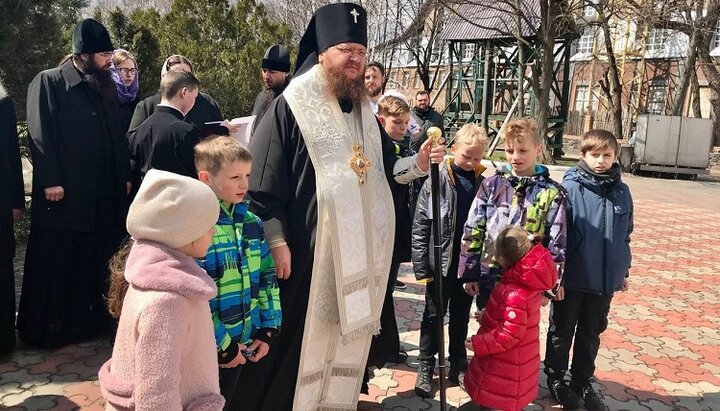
12 203
320 184
79 194
275 73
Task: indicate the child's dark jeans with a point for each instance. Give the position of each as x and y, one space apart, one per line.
459 302
583 316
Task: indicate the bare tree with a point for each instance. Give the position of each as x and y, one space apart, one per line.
416 26
605 15
698 19
106 6
542 20
297 13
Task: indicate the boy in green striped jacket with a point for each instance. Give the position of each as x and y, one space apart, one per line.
246 311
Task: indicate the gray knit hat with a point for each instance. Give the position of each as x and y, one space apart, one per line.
172 209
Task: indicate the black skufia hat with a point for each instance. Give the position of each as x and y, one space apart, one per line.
330 25
277 57
91 37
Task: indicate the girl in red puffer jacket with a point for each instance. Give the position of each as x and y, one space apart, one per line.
503 374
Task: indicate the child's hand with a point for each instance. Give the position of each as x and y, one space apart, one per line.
560 294
625 286
281 256
472 288
478 315
468 344
261 349
238 360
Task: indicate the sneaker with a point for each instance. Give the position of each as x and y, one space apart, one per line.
399 285
593 400
562 394
423 384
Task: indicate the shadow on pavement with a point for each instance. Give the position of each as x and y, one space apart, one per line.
44 402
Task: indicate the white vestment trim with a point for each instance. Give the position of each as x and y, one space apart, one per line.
353 247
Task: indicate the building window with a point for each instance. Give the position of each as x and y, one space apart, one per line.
716 43
437 49
468 51
416 80
410 57
586 42
582 96
656 40
405 79
589 9
657 93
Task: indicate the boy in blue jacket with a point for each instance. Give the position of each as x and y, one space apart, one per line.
600 220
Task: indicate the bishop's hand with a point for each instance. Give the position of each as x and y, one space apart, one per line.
281 255
431 153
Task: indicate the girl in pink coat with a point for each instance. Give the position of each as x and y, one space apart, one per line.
164 357
503 374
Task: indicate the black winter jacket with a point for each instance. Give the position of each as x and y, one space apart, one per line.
422 237
425 119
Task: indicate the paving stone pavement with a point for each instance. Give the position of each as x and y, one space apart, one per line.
661 350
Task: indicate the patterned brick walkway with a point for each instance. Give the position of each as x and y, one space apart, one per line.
660 352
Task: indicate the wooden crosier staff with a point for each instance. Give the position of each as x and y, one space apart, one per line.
435 134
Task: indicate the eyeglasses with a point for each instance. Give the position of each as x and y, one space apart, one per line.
127 71
349 50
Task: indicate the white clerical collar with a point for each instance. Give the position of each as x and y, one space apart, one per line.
373 105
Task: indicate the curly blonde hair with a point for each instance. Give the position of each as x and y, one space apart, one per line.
520 130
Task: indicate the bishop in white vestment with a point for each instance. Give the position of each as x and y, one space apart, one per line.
321 165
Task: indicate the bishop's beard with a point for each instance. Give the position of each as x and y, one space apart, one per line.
344 88
99 79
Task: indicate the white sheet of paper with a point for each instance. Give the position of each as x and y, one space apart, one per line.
245 130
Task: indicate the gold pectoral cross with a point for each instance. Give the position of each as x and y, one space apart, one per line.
359 163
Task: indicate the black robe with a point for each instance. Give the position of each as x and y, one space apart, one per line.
205 110
12 196
263 101
76 142
164 141
283 195
127 109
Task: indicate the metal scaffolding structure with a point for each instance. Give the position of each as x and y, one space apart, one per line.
489 80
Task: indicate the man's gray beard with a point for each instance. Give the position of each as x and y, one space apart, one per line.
345 89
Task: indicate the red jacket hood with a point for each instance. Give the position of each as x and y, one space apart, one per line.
535 271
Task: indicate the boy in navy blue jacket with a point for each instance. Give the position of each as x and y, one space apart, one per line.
600 220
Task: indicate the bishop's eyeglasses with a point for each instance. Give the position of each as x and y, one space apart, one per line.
349 50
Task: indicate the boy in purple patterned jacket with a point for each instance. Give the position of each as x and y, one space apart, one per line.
520 193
